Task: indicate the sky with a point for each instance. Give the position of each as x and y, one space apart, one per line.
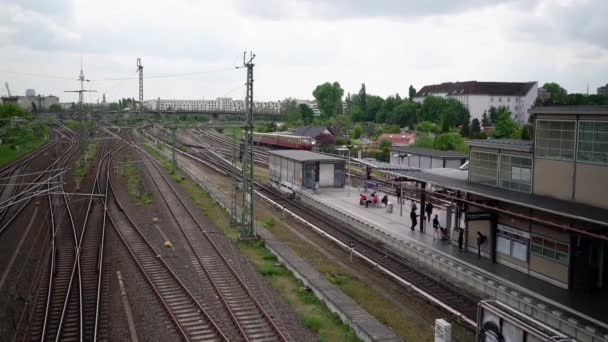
190 49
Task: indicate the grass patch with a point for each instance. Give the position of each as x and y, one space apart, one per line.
18 142
85 161
135 185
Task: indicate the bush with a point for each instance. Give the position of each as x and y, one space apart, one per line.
450 142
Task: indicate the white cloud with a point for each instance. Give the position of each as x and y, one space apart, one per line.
387 44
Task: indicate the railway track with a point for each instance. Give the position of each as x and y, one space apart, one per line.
191 320
56 280
459 303
249 317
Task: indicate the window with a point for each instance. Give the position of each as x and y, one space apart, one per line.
555 139
550 249
593 142
516 172
508 99
500 99
512 242
491 99
483 168
517 99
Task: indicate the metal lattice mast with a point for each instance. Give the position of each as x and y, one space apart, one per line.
140 70
235 183
247 213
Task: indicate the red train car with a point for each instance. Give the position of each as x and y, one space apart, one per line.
283 140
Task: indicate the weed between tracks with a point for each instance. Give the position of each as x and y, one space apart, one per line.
135 184
310 310
84 162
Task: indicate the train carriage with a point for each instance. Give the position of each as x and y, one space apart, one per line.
283 140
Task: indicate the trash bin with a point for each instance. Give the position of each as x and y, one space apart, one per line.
389 207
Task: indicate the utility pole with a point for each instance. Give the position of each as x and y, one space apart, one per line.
247 213
235 183
173 142
81 92
140 70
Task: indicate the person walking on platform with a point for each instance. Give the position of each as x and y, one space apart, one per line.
413 217
460 238
429 210
398 193
481 239
436 226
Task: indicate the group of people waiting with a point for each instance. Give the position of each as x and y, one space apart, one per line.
373 199
439 232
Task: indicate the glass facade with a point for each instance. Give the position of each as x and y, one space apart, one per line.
483 168
593 142
516 172
550 249
555 139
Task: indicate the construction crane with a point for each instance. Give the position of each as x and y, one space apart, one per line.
8 90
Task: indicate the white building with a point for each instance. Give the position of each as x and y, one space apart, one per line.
478 97
219 104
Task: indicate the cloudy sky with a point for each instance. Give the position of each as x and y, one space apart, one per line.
190 48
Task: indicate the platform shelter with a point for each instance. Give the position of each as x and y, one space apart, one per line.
301 170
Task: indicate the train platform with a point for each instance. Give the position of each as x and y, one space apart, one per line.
584 310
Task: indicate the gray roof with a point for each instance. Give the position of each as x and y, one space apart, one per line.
570 209
301 155
503 144
585 110
477 88
430 152
309 131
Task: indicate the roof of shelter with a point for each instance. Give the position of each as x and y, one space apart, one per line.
570 209
429 152
302 155
584 110
310 131
477 88
503 144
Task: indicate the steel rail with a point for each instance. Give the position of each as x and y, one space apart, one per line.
166 267
204 265
217 251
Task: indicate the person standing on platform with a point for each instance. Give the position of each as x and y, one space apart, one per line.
481 239
429 210
413 217
436 226
460 238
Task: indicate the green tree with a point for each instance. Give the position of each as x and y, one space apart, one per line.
465 129
411 92
475 129
306 114
505 126
427 127
527 132
343 122
392 129
290 110
403 115
449 142
558 94
54 108
357 131
329 98
384 150
493 112
423 139
431 108
363 101
485 121
375 108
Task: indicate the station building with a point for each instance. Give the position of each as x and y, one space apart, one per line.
304 170
542 205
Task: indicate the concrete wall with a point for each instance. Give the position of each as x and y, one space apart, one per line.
326 174
591 184
553 178
549 270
